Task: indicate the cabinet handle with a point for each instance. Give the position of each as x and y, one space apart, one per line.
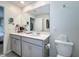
16 39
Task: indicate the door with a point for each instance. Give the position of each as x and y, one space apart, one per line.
38 24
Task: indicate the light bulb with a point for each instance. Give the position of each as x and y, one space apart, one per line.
22 2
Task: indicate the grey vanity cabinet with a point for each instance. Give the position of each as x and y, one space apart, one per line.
31 50
28 47
16 44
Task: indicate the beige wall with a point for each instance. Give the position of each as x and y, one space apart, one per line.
9 11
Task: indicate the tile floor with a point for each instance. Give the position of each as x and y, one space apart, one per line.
11 54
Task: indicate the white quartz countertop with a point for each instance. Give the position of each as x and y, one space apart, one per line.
40 35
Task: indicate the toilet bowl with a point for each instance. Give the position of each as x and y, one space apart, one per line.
64 48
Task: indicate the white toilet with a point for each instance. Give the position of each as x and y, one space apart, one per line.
64 48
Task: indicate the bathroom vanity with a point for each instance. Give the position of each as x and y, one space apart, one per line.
29 45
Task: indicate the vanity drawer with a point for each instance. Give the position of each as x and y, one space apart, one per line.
33 41
15 36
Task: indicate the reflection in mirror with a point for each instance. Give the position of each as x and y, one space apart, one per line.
39 19
31 24
47 23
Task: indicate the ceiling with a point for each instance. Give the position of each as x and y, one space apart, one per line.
41 10
26 3
37 11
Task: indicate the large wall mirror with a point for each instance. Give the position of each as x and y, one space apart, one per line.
40 20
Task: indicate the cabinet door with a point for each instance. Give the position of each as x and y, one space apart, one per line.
18 47
36 51
30 50
13 44
26 49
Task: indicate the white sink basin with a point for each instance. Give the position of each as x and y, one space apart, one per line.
28 32
34 33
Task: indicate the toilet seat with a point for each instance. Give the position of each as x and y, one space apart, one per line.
64 49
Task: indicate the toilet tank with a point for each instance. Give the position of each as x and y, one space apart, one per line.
64 48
